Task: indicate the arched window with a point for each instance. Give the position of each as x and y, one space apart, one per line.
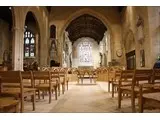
53 31
85 53
29 44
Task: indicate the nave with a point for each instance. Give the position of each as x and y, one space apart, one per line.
45 48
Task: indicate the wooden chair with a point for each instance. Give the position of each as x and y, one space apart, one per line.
153 95
55 77
105 74
80 74
74 75
111 76
68 71
98 73
86 74
139 77
44 69
62 76
48 85
9 105
27 77
115 81
94 75
18 92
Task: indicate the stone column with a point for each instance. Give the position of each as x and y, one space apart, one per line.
17 48
108 47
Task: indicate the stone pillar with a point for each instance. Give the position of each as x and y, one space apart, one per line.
70 53
37 48
17 48
66 59
108 47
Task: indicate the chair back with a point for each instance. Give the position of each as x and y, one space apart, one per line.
142 76
156 76
11 77
41 76
27 77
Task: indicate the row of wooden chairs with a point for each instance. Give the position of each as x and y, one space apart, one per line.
23 84
135 83
89 73
62 72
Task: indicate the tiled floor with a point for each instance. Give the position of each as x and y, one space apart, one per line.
83 99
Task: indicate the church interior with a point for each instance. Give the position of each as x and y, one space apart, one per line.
79 59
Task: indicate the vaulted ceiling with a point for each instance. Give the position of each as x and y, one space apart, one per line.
86 26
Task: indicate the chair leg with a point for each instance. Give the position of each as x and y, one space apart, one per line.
33 101
55 88
39 96
43 94
50 95
22 105
78 81
141 101
17 108
95 80
112 90
133 102
67 85
63 88
59 89
64 83
115 89
108 86
140 104
119 97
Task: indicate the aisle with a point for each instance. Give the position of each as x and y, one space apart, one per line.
83 99
86 98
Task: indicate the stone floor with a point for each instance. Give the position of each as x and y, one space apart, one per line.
84 98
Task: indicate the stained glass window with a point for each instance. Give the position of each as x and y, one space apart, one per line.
29 44
85 54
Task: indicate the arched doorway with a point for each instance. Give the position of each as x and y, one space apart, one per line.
31 42
109 34
89 32
6 36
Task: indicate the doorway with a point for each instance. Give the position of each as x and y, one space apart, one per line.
131 60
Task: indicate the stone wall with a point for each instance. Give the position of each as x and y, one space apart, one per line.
129 19
5 35
154 33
